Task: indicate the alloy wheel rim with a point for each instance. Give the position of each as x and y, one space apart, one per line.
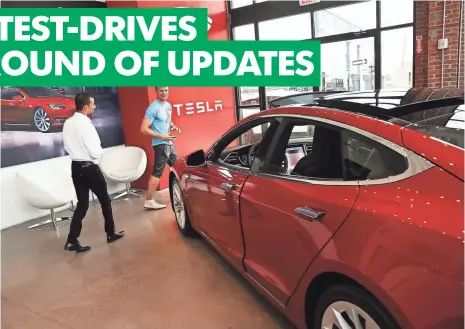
41 120
345 315
179 206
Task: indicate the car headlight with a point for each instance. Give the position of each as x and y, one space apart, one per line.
57 106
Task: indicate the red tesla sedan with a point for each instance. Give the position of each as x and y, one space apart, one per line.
346 214
39 107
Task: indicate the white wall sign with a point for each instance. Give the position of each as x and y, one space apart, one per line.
198 107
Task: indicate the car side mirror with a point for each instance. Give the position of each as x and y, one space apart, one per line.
196 159
18 98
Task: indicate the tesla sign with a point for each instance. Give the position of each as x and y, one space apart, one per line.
198 107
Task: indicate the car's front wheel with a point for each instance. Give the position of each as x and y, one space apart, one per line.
41 120
350 307
180 211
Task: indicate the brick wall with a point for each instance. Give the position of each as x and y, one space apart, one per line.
429 25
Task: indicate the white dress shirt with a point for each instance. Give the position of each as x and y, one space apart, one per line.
81 140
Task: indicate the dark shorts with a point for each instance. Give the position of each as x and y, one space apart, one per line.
164 154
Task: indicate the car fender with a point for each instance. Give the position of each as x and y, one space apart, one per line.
328 264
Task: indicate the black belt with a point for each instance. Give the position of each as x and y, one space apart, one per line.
84 163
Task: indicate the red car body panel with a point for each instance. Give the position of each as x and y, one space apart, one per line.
397 243
224 227
403 241
444 155
271 224
21 111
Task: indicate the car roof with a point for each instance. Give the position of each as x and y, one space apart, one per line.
414 108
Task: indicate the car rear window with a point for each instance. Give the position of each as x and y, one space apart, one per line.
445 124
297 99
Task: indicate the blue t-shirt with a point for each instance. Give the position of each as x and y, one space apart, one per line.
159 113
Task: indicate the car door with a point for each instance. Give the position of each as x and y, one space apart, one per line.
16 107
287 218
7 105
214 189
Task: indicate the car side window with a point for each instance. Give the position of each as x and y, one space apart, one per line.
306 149
365 158
8 94
319 151
241 146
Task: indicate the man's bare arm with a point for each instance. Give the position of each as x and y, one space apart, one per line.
145 129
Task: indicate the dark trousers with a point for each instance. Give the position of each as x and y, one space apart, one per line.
87 176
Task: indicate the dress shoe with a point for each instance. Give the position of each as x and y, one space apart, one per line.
114 236
76 247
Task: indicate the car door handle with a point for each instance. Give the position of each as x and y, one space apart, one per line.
309 212
228 186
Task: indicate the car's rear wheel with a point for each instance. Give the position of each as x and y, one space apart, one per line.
41 120
350 307
180 211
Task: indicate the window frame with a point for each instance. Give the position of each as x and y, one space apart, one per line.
415 163
267 10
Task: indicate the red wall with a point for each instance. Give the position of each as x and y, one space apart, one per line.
199 129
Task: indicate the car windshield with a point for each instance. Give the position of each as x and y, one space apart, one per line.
40 92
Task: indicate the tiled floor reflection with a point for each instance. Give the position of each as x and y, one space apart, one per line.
153 278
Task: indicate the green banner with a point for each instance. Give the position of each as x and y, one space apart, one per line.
142 47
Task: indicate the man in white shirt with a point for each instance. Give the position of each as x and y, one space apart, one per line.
82 143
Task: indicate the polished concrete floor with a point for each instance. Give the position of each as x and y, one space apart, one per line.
153 278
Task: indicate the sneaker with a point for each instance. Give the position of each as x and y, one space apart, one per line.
152 204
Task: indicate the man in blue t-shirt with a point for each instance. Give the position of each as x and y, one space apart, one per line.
157 124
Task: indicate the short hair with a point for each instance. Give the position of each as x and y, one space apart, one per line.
156 88
81 100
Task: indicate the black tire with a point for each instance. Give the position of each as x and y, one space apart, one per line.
354 295
185 226
48 125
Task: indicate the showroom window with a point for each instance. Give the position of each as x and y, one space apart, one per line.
348 65
365 45
295 27
396 58
396 12
243 3
351 18
246 96
240 3
248 111
244 32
